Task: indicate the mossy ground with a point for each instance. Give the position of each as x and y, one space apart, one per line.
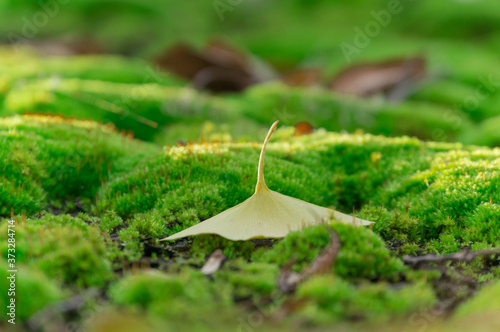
424 198
91 201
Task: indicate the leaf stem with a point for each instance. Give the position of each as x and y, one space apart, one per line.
260 174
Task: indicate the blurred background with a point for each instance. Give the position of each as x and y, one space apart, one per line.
171 71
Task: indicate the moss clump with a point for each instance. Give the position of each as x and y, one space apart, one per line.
486 301
418 193
239 129
362 254
110 221
141 108
268 102
56 160
249 279
446 207
486 133
188 294
205 244
192 183
198 183
25 65
65 248
33 291
331 298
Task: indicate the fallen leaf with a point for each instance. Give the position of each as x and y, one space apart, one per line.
183 61
226 55
266 214
220 67
219 79
392 78
213 263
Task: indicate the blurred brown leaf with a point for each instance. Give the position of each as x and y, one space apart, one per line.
220 67
392 78
226 55
183 61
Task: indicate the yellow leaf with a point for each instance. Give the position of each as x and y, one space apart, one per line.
266 214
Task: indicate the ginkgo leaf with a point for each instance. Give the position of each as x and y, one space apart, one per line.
266 214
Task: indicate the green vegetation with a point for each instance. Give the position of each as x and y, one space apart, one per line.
330 298
362 254
65 248
424 197
29 281
451 205
57 162
102 155
485 301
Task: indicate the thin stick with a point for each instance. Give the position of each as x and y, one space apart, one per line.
462 256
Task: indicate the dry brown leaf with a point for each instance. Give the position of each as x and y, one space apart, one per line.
219 68
226 55
392 78
183 61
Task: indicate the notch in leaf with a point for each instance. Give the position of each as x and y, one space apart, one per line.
266 214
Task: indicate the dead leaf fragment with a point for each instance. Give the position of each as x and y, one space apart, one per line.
213 263
303 128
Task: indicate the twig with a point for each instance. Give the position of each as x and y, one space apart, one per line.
322 264
462 256
74 303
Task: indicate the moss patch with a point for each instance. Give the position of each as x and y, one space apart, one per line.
55 160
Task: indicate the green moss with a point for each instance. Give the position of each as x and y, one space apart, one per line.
186 294
33 291
269 102
331 298
141 108
486 133
362 254
23 64
451 205
192 183
422 196
65 248
487 300
110 221
204 245
249 280
53 159
239 129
